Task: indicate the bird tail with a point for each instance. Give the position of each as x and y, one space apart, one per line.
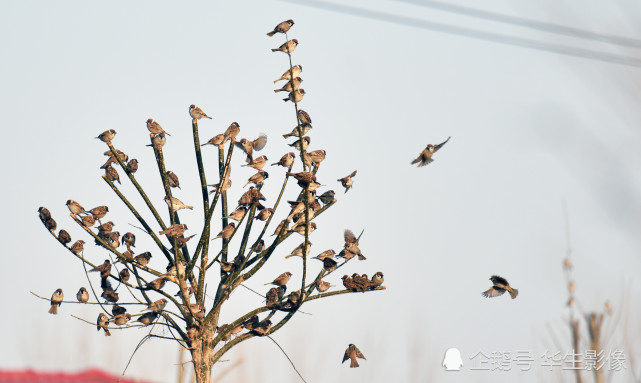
278 90
289 256
353 363
361 257
275 81
514 293
209 117
273 50
189 207
286 99
426 162
107 333
53 309
416 161
270 34
203 144
287 135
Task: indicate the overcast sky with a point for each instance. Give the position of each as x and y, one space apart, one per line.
530 128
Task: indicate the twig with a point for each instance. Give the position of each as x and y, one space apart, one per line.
288 358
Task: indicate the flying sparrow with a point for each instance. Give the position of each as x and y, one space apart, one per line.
158 305
196 113
99 212
296 69
352 353
147 318
132 166
155 128
296 143
288 86
143 258
325 255
286 161
102 323
82 295
176 204
296 96
124 275
347 181
56 300
172 179
500 286
227 232
75 207
104 269
107 135
249 146
265 214
174 230
129 239
237 214
281 280
78 247
287 47
294 133
282 27
216 140
64 237
426 155
257 163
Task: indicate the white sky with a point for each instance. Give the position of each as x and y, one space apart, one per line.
529 128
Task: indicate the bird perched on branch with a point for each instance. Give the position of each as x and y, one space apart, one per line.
290 86
282 27
297 143
122 156
112 174
325 254
318 156
44 213
216 140
172 180
258 178
64 237
329 265
251 196
281 280
265 214
176 204
175 230
155 128
107 135
157 306
500 286
132 166
124 275
257 163
347 182
99 212
327 197
352 353
196 113
295 96
156 284
82 295
294 133
287 47
129 239
249 146
143 258
75 207
286 160
303 117
377 279
298 251
227 232
147 318
56 300
122 319
426 155
78 246
226 185
303 177
296 69
102 323
322 286
351 246
231 132
50 224
104 269
237 214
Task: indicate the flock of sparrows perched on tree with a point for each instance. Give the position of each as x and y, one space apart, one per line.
181 270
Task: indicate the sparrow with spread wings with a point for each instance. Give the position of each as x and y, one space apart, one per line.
426 155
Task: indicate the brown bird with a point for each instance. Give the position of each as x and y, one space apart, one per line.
176 204
174 230
281 280
56 300
158 141
287 47
298 251
263 327
347 181
217 140
50 224
120 156
124 275
295 96
156 284
294 133
250 323
290 86
106 227
227 232
127 255
303 177
107 135
99 212
500 286
280 226
114 239
231 132
88 220
129 239
226 185
352 353
296 69
377 279
104 269
155 128
64 237
317 156
117 310
260 247
363 282
329 265
132 166
251 196
350 284
172 179
301 229
282 27
110 295
82 295
286 161
158 305
249 146
182 242
307 159
44 213
322 286
265 214
426 155
112 174
102 323
351 245
303 117
306 141
258 178
78 246
257 163
143 258
325 255
237 214
122 319
75 207
147 318
327 197
196 113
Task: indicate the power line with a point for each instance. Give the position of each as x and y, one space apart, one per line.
528 23
472 33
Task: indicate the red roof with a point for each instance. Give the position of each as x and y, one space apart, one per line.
87 376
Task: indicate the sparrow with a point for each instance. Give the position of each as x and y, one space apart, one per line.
50 224
347 181
198 310
298 251
377 279
251 196
263 327
129 239
307 159
221 329
117 310
171 269
238 214
110 295
78 246
128 255
227 232
124 275
363 282
327 254
104 269
143 258
176 204
123 157
147 318
290 86
231 132
106 227
280 226
426 155
327 197
258 178
56 300
155 128
226 267
281 280
303 177
158 305
174 230
294 133
216 140
260 247
257 163
350 284
190 291
156 284
317 156
296 143
322 286
297 207
282 27
172 179
274 295
352 353
500 286
301 229
75 208
158 141
107 135
82 295
265 214
296 69
293 298
44 213
196 113
329 265
286 161
88 220
132 166
114 239
99 212
295 96
122 319
287 47
64 237
182 242
250 323
226 185
249 146
102 323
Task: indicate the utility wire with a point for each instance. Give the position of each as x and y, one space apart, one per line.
472 33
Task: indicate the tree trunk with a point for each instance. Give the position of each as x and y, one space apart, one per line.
595 322
575 344
202 356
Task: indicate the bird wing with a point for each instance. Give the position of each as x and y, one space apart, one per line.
260 142
353 174
346 356
493 292
349 236
499 280
437 147
360 354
